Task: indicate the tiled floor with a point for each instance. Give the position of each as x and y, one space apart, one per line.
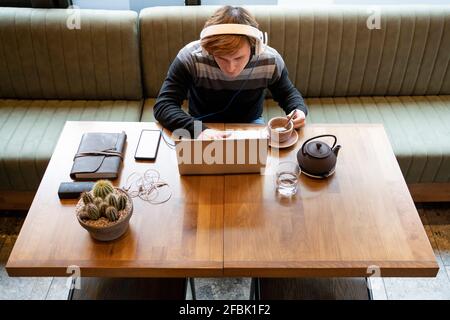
436 220
23 288
437 226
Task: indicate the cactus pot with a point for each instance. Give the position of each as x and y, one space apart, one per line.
112 230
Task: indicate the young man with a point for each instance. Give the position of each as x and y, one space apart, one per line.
225 81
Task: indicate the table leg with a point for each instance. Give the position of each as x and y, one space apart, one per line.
369 289
255 293
94 288
314 288
192 283
72 289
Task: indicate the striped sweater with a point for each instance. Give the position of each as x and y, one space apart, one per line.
198 77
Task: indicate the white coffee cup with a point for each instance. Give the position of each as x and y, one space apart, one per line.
278 130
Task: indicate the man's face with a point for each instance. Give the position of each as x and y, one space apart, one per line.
233 64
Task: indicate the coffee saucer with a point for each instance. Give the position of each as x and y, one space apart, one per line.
285 144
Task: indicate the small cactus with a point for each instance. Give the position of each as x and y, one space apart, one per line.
102 188
111 199
83 215
87 198
102 208
122 202
111 213
92 211
98 202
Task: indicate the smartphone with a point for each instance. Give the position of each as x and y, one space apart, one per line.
148 145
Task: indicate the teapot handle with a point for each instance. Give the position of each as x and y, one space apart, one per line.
321 136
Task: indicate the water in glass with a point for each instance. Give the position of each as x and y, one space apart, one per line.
287 183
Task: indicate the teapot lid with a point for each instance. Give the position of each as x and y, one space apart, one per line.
318 149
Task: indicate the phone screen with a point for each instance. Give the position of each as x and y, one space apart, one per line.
148 145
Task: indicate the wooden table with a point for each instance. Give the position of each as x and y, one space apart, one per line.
183 236
236 225
360 221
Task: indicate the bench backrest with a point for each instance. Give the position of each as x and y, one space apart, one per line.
329 50
41 58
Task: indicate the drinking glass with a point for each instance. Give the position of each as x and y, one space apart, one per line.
287 175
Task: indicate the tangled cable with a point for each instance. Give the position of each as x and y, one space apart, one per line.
169 143
148 187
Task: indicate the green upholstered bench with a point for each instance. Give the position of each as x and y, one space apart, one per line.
50 74
398 75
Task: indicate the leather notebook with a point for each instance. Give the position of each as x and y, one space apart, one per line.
99 156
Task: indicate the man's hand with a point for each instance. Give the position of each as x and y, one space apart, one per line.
211 134
298 118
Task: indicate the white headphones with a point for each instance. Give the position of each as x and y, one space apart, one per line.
241 29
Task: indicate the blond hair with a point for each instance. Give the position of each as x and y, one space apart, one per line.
226 44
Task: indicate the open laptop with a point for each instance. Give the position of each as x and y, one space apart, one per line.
244 151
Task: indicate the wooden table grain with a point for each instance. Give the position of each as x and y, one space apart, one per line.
181 237
360 221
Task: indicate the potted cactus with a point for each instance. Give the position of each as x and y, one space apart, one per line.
105 211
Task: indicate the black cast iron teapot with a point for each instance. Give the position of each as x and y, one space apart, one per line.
316 158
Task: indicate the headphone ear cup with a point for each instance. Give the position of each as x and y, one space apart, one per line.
257 49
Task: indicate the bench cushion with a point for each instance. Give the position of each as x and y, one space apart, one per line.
417 126
29 130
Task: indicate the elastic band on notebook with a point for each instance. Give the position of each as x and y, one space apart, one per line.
106 152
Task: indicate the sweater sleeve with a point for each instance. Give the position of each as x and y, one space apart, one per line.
284 92
167 109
